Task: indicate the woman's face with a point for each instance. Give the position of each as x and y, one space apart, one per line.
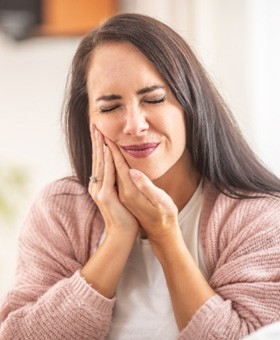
132 105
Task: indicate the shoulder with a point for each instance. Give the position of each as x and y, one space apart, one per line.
68 200
234 228
246 219
255 210
65 207
63 186
64 195
227 211
63 213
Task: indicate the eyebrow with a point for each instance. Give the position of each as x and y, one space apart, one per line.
139 92
149 89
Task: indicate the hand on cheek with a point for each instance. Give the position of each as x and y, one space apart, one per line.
118 219
153 207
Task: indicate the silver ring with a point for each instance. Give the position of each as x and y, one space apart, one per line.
94 179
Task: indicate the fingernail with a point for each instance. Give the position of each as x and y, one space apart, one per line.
97 134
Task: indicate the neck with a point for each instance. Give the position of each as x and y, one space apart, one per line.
180 181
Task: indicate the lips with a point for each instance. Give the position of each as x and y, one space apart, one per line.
140 150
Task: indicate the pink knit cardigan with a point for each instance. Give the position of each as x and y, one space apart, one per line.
50 300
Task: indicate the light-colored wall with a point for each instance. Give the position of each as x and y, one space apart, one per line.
238 41
32 79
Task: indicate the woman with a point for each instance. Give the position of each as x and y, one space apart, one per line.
170 227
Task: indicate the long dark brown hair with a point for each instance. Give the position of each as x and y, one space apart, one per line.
219 152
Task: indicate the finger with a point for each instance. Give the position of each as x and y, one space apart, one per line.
154 194
118 158
99 170
119 161
109 170
93 144
97 156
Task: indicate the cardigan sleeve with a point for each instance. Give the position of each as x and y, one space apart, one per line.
242 248
50 299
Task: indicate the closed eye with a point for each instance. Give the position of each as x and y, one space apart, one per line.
108 109
155 101
148 101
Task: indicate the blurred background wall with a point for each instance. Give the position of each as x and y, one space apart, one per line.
238 41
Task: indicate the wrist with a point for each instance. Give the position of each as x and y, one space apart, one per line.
121 237
104 268
167 245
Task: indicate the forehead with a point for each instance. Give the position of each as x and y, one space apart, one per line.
120 61
116 51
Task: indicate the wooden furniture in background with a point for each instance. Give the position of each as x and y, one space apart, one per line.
74 17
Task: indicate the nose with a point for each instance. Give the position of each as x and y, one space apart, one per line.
135 123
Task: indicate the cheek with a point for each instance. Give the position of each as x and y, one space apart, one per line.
175 125
182 133
106 126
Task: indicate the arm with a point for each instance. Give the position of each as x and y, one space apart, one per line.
242 249
58 295
104 268
50 299
187 286
244 260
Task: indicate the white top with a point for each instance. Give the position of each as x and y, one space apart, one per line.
269 332
143 308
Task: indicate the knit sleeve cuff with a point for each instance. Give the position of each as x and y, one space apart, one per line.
89 295
204 315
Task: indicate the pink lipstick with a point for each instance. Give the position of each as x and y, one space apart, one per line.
140 150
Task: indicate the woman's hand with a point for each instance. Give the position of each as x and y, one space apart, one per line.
153 207
105 266
119 222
